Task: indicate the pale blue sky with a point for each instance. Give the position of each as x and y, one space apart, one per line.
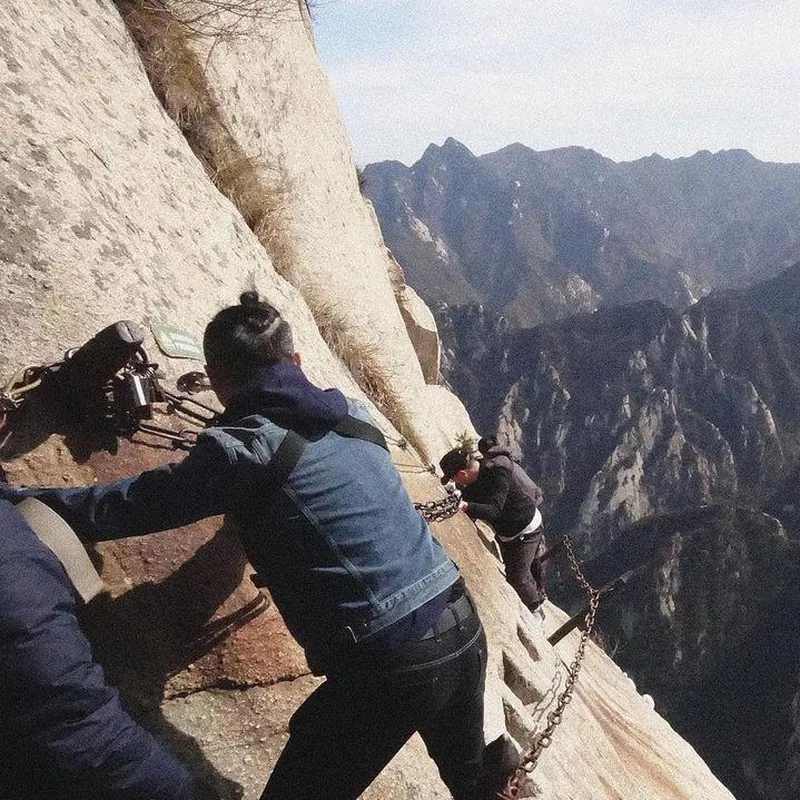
625 78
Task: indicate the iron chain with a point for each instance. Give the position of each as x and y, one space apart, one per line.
437 510
542 739
13 393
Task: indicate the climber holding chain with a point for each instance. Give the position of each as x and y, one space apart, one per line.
376 603
497 490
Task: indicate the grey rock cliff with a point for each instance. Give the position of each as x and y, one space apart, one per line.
666 443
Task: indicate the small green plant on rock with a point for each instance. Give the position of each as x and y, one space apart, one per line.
465 442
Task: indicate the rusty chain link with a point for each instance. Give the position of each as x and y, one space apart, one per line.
437 510
543 739
24 380
13 393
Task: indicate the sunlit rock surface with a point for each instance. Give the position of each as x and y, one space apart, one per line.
107 214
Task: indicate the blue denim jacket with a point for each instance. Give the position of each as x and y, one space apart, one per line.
341 548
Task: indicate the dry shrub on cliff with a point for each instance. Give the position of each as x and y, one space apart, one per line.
361 357
172 68
260 193
361 179
163 31
220 18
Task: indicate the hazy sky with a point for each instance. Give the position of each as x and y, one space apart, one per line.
624 78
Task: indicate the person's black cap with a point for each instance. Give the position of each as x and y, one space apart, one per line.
452 461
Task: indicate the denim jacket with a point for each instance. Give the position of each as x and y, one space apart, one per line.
340 546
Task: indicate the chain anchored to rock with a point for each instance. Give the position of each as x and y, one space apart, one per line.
437 510
543 738
15 391
110 384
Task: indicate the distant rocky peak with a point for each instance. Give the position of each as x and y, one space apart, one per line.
452 151
523 226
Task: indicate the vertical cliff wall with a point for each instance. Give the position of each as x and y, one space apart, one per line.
130 189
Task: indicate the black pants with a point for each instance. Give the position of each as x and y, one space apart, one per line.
524 570
346 732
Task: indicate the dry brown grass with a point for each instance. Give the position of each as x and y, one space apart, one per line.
361 357
221 18
163 33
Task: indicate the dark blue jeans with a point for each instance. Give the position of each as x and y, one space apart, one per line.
346 732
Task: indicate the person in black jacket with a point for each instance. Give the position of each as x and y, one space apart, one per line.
63 732
497 490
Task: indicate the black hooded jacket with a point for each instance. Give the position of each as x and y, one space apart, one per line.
503 495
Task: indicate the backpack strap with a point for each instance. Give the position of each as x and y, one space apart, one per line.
355 428
56 534
286 457
294 444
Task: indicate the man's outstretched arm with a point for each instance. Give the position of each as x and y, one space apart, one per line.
202 485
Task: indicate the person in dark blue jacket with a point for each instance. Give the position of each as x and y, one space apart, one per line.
63 731
361 583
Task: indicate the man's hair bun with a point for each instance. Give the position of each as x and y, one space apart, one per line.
249 299
245 338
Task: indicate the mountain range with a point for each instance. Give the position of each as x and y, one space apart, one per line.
667 442
537 236
630 331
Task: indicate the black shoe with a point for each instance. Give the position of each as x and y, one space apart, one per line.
500 762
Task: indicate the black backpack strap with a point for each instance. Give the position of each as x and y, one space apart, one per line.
286 457
355 428
294 444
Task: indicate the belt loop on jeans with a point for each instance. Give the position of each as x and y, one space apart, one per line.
455 608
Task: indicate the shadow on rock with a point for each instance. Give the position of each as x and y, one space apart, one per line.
44 415
157 630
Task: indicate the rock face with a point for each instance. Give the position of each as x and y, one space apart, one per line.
291 132
540 235
113 209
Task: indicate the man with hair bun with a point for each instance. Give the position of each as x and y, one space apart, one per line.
376 603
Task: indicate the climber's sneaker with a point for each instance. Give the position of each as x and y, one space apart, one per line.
500 762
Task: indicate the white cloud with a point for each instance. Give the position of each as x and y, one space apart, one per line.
625 78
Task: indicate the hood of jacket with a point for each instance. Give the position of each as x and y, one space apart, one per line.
283 393
496 451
